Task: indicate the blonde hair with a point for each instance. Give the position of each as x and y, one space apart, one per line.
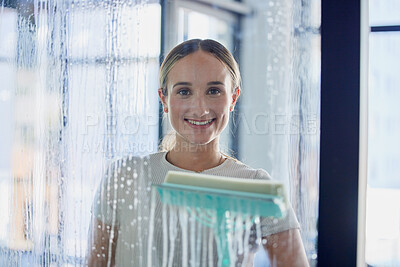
184 49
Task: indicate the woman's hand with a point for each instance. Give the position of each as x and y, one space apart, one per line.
100 242
286 249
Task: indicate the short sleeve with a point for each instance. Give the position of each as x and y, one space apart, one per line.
271 226
104 206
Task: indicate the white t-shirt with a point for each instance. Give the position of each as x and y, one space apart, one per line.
123 200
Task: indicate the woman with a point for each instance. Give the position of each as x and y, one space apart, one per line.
199 87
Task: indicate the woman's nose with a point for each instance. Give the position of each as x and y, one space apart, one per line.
200 107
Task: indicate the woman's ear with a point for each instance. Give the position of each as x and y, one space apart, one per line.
163 99
235 96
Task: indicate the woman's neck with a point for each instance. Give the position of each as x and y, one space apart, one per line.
195 157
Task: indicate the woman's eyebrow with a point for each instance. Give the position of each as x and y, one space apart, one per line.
215 83
190 84
182 83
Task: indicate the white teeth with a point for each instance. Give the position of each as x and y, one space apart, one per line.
199 122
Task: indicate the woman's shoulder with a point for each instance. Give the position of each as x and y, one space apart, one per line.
129 160
238 169
156 156
120 166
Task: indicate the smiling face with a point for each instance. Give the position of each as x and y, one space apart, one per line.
200 97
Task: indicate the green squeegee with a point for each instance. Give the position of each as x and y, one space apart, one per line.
219 195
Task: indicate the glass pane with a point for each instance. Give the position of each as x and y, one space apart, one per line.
79 105
278 114
383 191
8 41
279 111
79 83
384 12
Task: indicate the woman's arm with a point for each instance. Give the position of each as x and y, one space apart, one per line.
286 249
102 239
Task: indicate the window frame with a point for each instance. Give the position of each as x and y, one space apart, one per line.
340 133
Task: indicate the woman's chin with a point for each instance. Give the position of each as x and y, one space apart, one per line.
199 142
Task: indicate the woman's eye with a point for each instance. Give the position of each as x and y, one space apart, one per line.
214 91
183 92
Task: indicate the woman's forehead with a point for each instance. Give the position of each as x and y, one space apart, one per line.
199 66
